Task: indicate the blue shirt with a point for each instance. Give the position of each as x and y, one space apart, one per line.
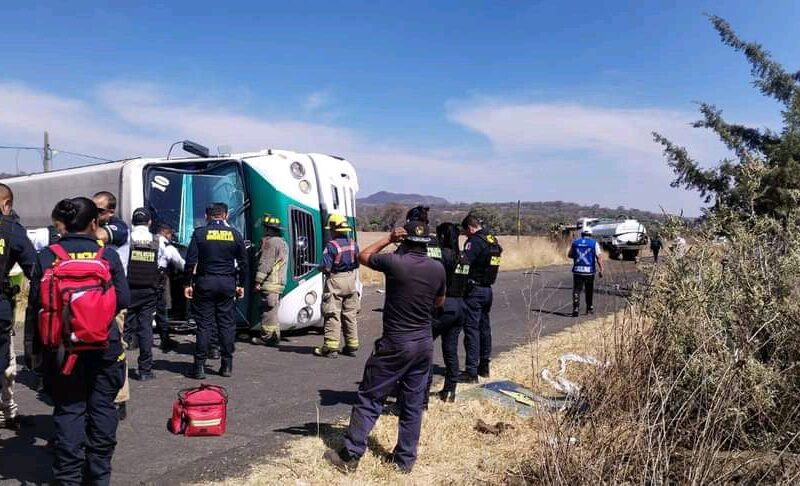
584 253
340 255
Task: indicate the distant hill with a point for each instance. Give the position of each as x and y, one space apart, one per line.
384 197
384 210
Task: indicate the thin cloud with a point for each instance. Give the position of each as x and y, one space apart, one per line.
316 101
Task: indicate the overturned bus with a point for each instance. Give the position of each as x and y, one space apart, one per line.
301 189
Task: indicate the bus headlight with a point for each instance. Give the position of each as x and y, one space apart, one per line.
298 170
311 298
305 186
304 315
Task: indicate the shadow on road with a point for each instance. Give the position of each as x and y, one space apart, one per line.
329 398
177 367
553 312
284 348
24 460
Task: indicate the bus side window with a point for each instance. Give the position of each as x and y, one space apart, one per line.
335 192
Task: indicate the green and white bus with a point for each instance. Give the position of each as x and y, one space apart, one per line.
301 189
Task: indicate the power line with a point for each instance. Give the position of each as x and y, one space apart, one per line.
14 147
57 151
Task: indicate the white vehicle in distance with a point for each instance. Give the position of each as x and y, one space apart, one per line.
621 238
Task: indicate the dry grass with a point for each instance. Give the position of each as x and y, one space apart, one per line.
450 450
528 252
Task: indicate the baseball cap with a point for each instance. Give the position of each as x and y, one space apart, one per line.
417 232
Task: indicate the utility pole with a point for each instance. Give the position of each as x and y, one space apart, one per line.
47 157
519 219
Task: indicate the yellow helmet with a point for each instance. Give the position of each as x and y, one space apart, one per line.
271 221
338 223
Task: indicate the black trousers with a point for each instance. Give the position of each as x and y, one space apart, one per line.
477 328
583 282
449 326
85 418
162 319
139 325
655 253
214 309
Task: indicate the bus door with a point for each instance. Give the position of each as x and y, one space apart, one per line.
177 194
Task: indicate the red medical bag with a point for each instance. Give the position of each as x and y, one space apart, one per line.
200 411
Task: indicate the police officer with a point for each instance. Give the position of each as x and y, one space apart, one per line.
415 284
15 247
113 233
169 260
340 299
85 417
450 319
271 280
587 257
216 266
482 251
144 280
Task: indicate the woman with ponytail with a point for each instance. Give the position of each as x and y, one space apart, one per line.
84 415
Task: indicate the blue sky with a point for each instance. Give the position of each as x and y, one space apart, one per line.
468 100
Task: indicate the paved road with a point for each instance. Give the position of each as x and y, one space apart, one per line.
278 394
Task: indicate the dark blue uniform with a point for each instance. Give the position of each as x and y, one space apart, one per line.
15 247
478 305
451 318
213 250
85 416
403 354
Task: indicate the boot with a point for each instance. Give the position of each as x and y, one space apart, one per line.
226 369
465 377
341 460
213 353
167 343
447 396
590 310
122 411
483 369
270 340
575 312
350 351
326 352
199 370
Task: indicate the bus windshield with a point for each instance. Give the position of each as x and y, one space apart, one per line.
178 195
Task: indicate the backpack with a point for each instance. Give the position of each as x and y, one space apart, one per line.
200 411
79 303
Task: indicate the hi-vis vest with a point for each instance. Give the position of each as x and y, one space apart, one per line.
350 263
143 264
584 256
458 279
485 268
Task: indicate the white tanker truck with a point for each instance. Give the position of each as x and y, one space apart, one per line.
620 237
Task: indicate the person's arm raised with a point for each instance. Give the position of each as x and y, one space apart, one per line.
395 236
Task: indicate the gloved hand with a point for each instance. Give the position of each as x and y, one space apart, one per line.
600 274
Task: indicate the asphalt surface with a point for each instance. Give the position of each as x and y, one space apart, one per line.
278 394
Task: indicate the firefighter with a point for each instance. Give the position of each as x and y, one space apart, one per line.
271 280
15 247
144 280
216 266
169 259
587 257
85 417
340 299
482 251
415 285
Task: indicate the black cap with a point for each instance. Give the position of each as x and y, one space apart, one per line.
418 213
140 216
417 232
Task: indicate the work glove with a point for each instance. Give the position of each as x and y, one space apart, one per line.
600 274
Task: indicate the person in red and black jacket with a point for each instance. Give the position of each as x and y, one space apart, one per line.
85 416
